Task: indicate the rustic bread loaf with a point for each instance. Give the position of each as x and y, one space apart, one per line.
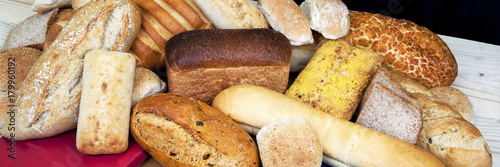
104 115
146 83
329 17
405 46
445 133
345 141
387 112
160 21
212 60
63 17
286 17
456 99
335 77
289 142
180 131
232 14
77 4
50 95
42 6
30 32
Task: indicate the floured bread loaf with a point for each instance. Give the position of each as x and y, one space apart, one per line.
405 46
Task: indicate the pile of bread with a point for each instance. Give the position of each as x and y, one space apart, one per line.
372 90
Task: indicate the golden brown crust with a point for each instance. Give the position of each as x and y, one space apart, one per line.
62 19
456 99
204 125
405 46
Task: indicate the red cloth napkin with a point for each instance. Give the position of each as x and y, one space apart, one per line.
61 150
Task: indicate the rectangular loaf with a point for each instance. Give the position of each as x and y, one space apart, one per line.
212 60
104 117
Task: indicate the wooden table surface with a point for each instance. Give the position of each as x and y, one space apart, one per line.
478 74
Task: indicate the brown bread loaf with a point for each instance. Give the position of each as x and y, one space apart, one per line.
181 131
405 46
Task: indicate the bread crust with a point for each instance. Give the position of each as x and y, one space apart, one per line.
232 14
50 95
211 137
405 46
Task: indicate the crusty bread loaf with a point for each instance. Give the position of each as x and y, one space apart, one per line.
232 14
286 17
345 141
104 115
329 17
456 99
77 4
445 133
212 60
405 46
289 142
50 95
180 131
63 17
160 21
146 83
387 112
41 6
31 31
335 78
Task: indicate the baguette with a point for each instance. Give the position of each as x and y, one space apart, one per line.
50 95
104 117
345 141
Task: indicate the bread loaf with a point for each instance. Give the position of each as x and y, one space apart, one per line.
232 14
212 60
290 142
329 17
286 17
180 131
104 117
42 6
456 99
445 133
63 17
405 46
146 83
50 95
30 32
160 21
345 141
335 78
77 4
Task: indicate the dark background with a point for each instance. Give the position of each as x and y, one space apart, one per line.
477 20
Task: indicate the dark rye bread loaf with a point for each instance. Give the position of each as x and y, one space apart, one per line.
181 131
212 60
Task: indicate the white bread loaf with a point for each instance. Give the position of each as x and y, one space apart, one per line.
345 141
329 17
104 117
289 142
232 14
50 95
286 17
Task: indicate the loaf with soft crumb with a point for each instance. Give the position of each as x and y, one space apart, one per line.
445 133
405 46
180 131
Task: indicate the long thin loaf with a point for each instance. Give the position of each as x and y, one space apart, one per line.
50 95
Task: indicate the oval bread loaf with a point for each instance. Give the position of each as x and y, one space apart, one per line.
180 131
405 46
345 141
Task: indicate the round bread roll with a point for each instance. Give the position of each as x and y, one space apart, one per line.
289 142
406 47
286 17
329 17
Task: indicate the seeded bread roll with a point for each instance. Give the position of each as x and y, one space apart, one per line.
181 131
405 46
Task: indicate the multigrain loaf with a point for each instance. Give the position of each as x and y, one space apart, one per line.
232 14
31 31
445 133
160 21
345 141
387 112
286 17
50 95
212 60
456 99
181 131
290 142
405 46
335 77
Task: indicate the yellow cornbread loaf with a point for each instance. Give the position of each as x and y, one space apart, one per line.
335 77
